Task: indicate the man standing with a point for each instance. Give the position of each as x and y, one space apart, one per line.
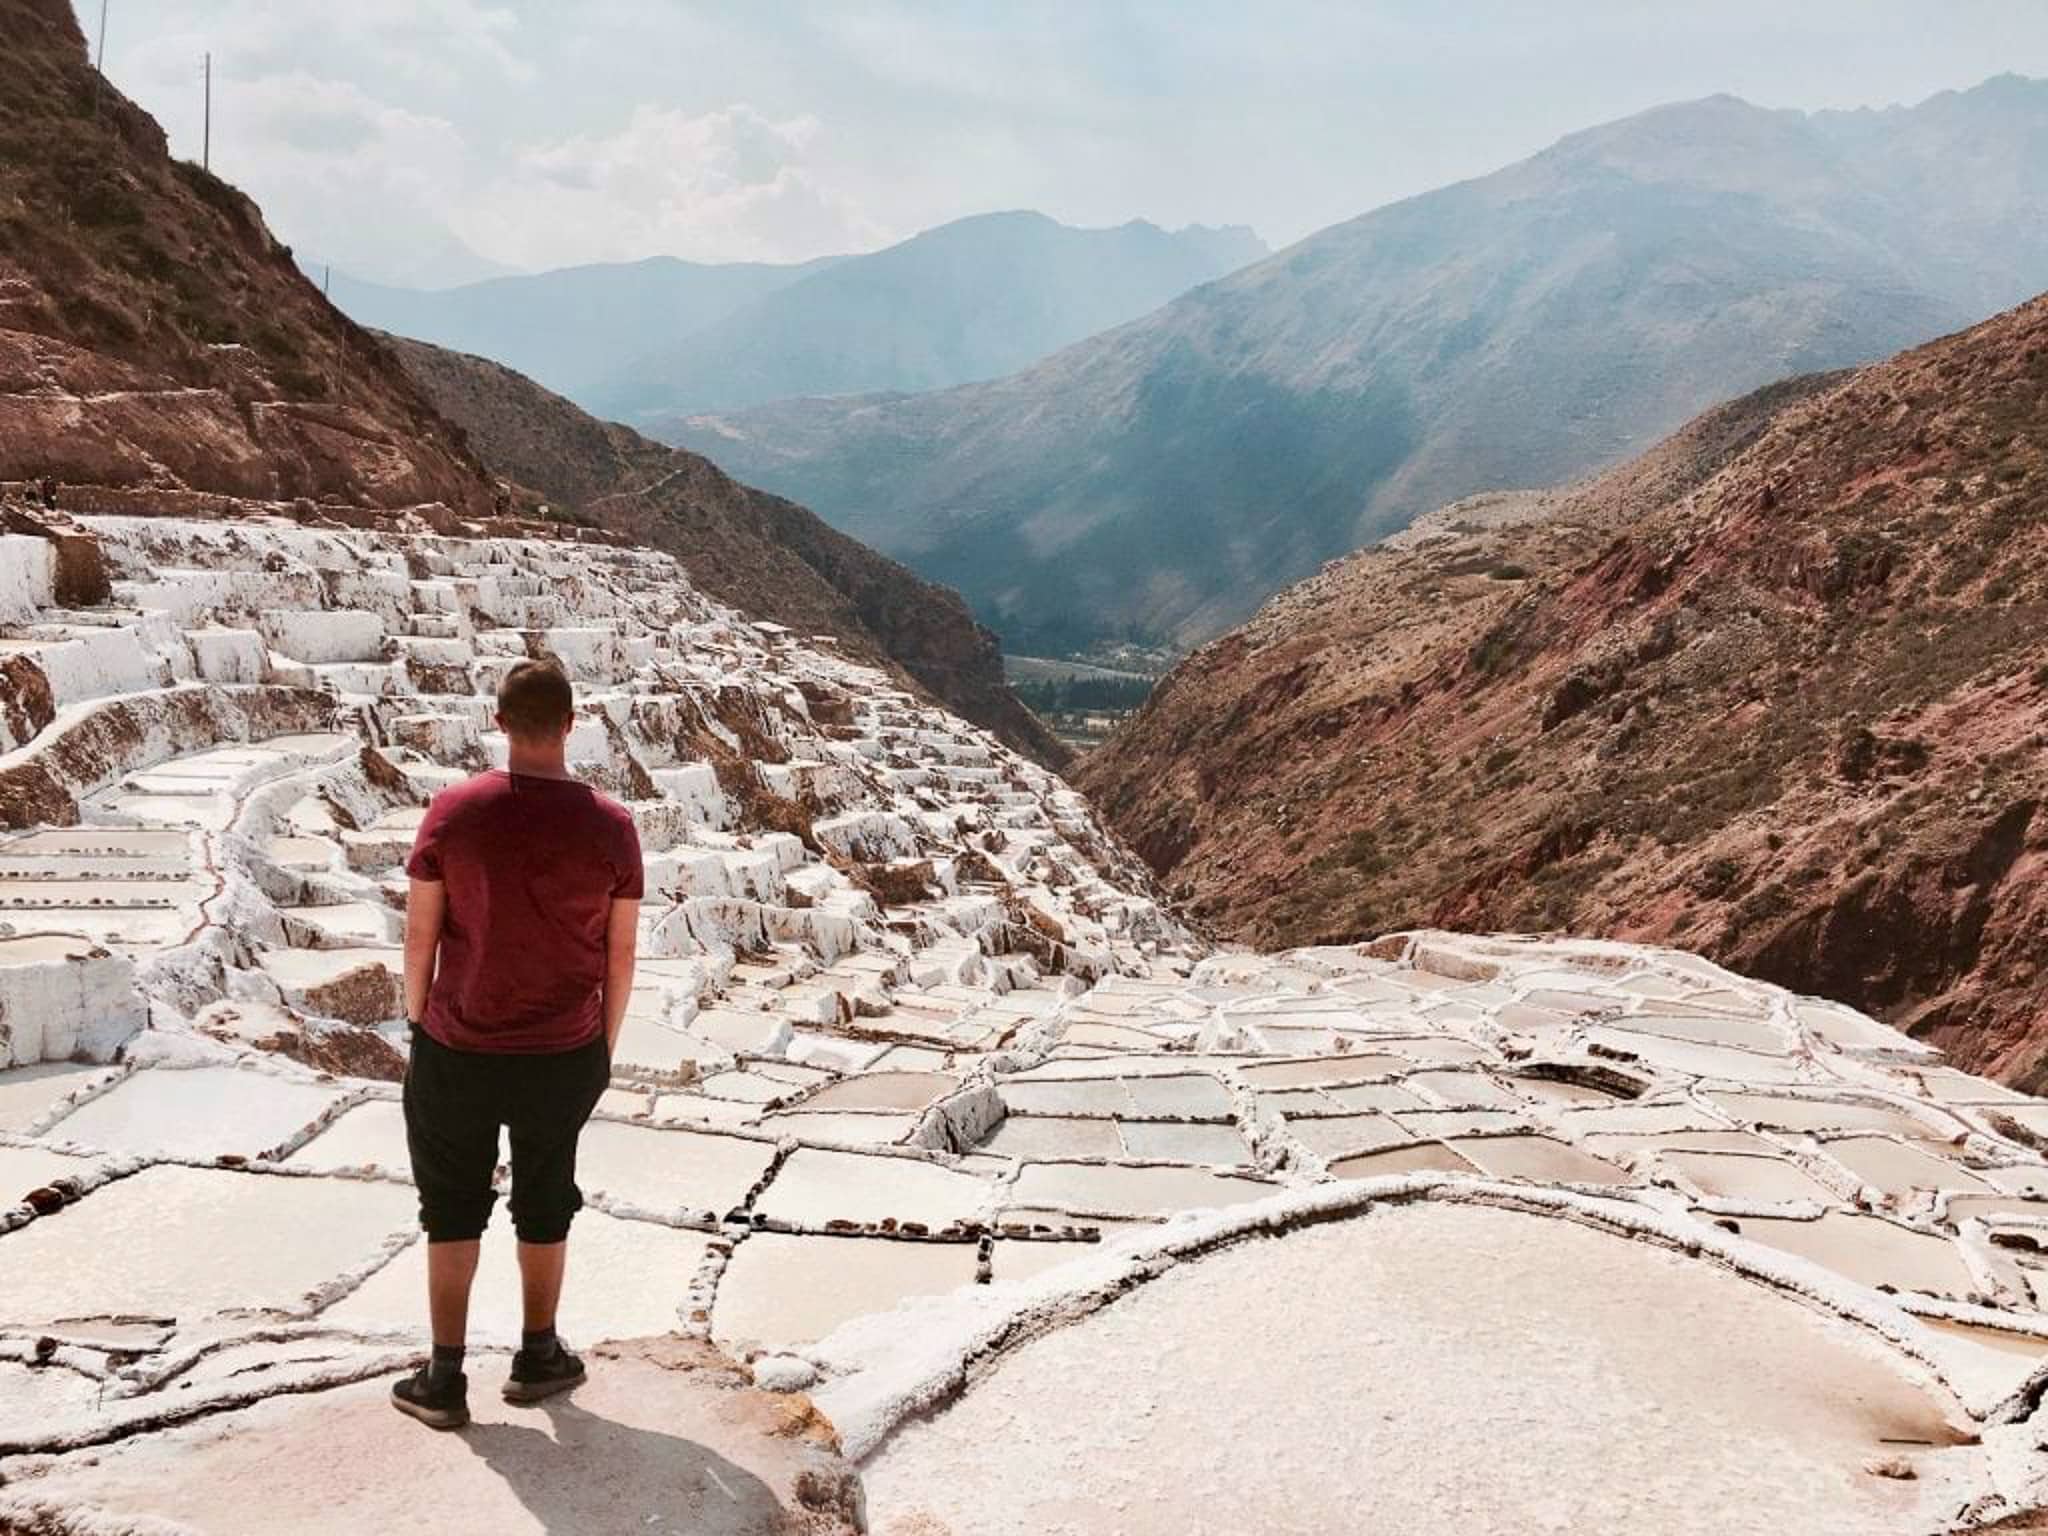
520 928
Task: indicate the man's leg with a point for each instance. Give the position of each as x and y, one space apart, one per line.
540 1282
451 1131
451 1269
557 1097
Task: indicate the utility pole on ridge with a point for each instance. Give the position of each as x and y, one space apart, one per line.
99 64
206 134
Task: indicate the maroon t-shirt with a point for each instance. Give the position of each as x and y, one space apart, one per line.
532 867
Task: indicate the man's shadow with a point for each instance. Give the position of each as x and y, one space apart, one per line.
594 1476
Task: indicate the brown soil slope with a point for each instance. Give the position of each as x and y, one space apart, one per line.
1783 701
153 334
767 557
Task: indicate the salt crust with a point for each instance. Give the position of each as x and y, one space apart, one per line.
939 1027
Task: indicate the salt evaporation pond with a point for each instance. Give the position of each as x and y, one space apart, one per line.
1423 1369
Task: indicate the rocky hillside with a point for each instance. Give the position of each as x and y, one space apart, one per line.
1524 328
154 334
765 556
1781 700
972 299
160 352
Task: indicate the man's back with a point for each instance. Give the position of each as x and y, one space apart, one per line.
531 867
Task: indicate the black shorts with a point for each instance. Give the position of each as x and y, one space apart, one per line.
455 1101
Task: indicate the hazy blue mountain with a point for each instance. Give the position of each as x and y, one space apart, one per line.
433 256
571 327
969 300
1158 480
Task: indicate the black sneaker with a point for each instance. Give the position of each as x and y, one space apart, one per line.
442 1407
536 1378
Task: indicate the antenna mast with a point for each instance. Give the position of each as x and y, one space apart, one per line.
206 139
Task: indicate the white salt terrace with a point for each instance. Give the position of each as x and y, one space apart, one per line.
924 1106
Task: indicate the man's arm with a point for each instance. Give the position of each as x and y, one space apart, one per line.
426 902
621 946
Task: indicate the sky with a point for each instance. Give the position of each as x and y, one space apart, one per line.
432 142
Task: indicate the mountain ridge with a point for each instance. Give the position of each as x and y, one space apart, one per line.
1522 327
969 299
568 327
972 298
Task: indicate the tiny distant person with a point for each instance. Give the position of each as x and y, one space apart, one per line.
47 490
520 929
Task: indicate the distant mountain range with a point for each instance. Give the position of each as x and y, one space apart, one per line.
969 300
571 329
972 299
1158 480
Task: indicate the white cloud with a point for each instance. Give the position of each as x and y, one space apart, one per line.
318 153
727 185
397 138
662 146
326 115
